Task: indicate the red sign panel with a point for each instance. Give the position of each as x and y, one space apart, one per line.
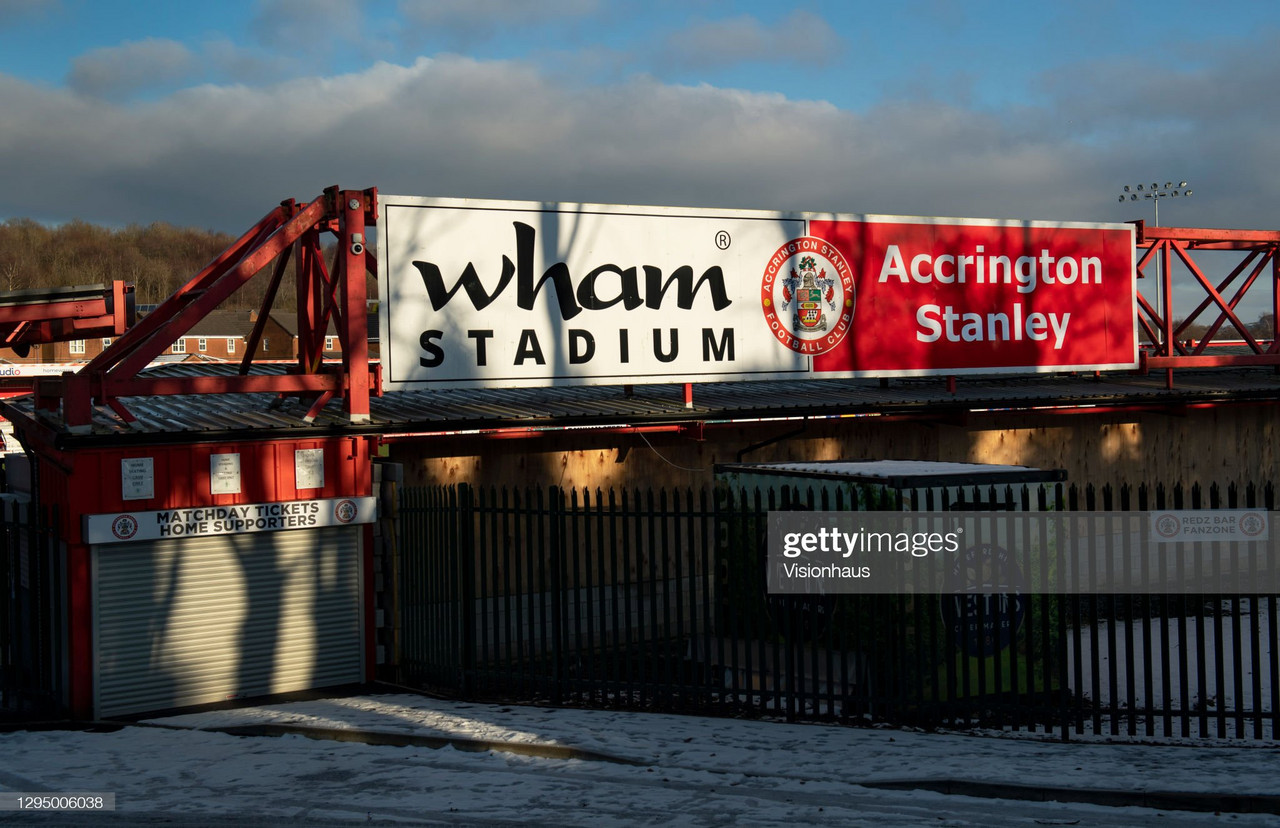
965 297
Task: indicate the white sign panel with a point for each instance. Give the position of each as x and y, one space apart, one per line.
40 369
229 520
480 293
224 474
138 478
308 468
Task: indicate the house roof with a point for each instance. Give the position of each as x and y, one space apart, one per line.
228 323
289 322
239 323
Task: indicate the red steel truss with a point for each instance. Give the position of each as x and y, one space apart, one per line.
335 293
1169 347
326 293
30 317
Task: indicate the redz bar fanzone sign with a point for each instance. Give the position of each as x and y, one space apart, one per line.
521 294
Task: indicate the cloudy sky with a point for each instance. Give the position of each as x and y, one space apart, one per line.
209 113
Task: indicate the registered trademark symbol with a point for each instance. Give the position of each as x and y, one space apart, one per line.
723 240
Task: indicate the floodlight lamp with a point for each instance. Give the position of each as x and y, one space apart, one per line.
1126 188
1168 185
1139 188
1154 185
1122 198
1182 184
1187 193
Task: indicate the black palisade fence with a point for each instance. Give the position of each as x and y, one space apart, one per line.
657 600
32 611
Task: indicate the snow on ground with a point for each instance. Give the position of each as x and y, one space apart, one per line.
1181 637
682 770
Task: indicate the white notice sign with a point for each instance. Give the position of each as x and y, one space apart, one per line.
229 520
308 468
137 478
224 474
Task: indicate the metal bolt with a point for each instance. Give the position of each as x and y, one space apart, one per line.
353 204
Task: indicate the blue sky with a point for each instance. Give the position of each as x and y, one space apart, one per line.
852 54
209 113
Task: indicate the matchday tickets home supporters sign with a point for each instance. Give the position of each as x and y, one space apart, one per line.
480 293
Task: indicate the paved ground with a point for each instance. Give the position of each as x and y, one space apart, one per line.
400 758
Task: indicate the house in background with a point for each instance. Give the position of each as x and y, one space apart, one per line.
221 336
280 337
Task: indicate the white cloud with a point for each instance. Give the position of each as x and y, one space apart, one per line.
307 25
233 62
800 37
479 19
12 11
1195 115
221 156
120 71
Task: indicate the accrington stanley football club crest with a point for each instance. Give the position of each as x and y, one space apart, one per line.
809 289
807 295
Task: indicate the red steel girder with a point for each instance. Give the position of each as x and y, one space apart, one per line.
1263 259
115 372
1207 238
184 309
55 311
353 305
1169 349
282 384
31 317
137 337
264 311
1211 361
1228 310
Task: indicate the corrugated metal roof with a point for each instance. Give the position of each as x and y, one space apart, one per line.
180 418
899 474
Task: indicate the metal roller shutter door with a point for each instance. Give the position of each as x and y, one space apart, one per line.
198 620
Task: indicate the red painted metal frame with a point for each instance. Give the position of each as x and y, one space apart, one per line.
1168 348
334 294
99 313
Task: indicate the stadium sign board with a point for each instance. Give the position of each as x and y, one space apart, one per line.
482 293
